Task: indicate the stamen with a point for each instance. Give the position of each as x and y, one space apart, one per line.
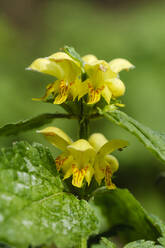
102 68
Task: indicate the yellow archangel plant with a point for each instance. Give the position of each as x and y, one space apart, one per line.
84 159
92 77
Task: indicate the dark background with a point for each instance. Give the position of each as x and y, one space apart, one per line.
134 30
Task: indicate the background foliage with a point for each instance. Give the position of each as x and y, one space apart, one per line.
32 29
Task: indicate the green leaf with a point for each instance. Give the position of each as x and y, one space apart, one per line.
104 243
73 54
34 208
108 243
153 140
162 241
2 245
161 225
136 244
38 121
124 215
142 244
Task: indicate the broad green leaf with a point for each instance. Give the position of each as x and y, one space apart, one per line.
159 223
73 54
123 214
34 209
162 241
142 244
105 243
153 140
38 121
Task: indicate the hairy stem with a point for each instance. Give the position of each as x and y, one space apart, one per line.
83 124
83 243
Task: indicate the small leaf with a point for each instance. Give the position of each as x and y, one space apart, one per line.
123 214
108 243
21 126
104 243
153 140
34 210
73 54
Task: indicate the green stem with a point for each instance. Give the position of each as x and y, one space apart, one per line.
83 243
83 128
83 123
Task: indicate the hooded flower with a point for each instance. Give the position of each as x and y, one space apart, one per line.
84 159
77 77
67 72
103 79
77 158
105 165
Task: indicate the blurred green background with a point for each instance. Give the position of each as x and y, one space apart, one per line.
109 29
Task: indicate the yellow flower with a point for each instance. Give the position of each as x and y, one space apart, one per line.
105 165
67 72
103 79
84 159
77 157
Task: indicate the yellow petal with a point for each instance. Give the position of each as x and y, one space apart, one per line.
63 92
89 174
60 99
111 146
78 176
61 160
89 58
68 173
108 180
118 65
46 66
97 140
107 94
51 88
61 56
67 167
99 72
78 89
70 66
116 86
56 137
99 172
82 152
112 162
121 105
94 96
83 89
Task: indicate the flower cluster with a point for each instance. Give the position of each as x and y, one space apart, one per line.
74 80
84 159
